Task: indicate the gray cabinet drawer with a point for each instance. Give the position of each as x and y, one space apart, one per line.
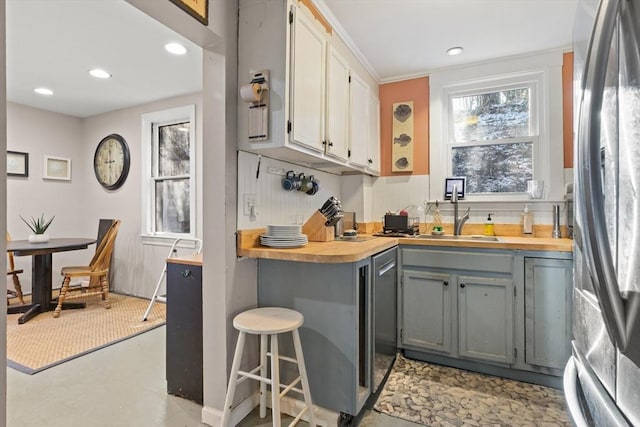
458 260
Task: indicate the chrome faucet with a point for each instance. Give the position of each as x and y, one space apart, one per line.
458 222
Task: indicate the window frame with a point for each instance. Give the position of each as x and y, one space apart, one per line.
529 81
150 146
545 71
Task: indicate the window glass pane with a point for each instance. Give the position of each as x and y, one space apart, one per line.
493 115
172 206
497 168
173 147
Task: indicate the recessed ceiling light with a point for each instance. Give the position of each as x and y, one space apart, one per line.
99 74
454 51
43 91
175 48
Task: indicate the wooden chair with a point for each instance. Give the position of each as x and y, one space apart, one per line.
13 272
98 268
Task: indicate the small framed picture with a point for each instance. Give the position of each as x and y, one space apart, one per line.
57 168
17 163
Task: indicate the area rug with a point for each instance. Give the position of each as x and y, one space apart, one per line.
44 342
439 396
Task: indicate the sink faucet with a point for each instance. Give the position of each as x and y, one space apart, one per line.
458 222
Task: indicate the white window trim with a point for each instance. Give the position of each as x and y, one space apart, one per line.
544 71
186 113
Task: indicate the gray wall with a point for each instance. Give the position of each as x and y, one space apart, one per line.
3 213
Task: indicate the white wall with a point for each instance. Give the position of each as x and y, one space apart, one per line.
39 132
274 204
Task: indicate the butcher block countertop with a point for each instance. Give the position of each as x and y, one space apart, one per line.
339 251
191 259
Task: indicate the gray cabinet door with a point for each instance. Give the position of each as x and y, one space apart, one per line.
485 318
548 311
426 310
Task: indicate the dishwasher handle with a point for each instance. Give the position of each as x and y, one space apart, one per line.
385 268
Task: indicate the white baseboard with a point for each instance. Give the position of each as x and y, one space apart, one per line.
213 417
288 405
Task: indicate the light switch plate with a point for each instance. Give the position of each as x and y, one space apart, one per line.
249 203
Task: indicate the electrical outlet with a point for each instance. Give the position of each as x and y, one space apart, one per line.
249 203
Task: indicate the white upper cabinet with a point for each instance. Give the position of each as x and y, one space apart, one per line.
373 149
359 124
308 77
337 135
311 102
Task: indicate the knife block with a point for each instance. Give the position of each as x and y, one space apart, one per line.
315 229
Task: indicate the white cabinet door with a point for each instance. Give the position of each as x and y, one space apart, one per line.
359 123
337 137
308 75
373 148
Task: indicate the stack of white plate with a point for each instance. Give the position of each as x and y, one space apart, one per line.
284 236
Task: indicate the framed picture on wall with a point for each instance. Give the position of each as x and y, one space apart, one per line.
57 168
17 163
199 9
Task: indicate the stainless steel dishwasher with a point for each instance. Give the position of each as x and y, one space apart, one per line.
385 305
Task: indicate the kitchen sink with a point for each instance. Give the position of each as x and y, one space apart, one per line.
463 237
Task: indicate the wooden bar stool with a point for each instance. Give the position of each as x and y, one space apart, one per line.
269 321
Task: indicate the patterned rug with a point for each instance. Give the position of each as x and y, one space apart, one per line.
440 396
44 342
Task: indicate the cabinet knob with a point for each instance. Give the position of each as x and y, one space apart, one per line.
330 144
370 161
445 283
186 273
462 285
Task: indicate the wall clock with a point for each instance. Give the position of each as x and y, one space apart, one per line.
111 161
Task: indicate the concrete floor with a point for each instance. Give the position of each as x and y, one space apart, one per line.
121 385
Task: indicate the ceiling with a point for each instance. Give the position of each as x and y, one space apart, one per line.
408 38
54 43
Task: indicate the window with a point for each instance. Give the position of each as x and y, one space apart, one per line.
169 147
499 124
492 136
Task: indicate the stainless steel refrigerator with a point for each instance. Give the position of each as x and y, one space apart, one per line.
602 378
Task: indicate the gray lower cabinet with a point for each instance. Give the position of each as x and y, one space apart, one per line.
426 310
337 342
485 318
504 312
547 301
458 304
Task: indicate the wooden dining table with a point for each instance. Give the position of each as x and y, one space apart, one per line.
41 273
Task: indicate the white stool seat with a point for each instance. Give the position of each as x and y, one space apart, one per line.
268 320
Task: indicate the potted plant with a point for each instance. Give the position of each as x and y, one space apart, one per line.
39 227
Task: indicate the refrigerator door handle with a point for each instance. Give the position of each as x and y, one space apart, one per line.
592 231
569 384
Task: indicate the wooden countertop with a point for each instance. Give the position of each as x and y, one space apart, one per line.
191 259
350 251
504 242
